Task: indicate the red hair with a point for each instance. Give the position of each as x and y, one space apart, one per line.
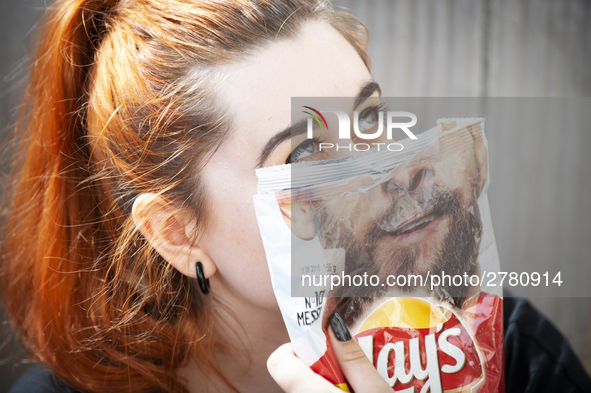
121 101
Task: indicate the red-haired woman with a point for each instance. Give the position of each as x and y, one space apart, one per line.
143 125
145 121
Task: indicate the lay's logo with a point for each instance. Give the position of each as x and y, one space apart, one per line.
429 350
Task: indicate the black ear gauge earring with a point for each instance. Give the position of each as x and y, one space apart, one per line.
203 282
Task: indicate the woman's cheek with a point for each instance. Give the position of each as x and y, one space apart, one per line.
234 243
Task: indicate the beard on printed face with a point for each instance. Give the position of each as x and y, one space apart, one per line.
441 236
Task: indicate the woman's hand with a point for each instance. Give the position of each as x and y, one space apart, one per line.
293 376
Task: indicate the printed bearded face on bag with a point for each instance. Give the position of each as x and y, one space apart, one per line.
418 214
423 219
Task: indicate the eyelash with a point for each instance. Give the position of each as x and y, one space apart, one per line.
315 141
373 109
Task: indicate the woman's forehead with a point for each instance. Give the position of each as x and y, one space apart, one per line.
320 62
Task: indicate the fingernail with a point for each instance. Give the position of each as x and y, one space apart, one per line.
339 327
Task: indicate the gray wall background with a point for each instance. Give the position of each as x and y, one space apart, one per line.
461 48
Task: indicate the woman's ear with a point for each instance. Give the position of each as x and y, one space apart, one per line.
171 234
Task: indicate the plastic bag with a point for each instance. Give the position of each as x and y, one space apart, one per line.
382 237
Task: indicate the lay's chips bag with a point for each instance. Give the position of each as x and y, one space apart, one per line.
396 241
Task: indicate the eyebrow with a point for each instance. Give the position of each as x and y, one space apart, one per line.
301 127
366 92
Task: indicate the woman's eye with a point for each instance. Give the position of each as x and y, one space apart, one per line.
303 150
368 119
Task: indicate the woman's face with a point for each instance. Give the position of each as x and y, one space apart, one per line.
258 91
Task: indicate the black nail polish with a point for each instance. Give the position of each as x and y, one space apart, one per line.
339 327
